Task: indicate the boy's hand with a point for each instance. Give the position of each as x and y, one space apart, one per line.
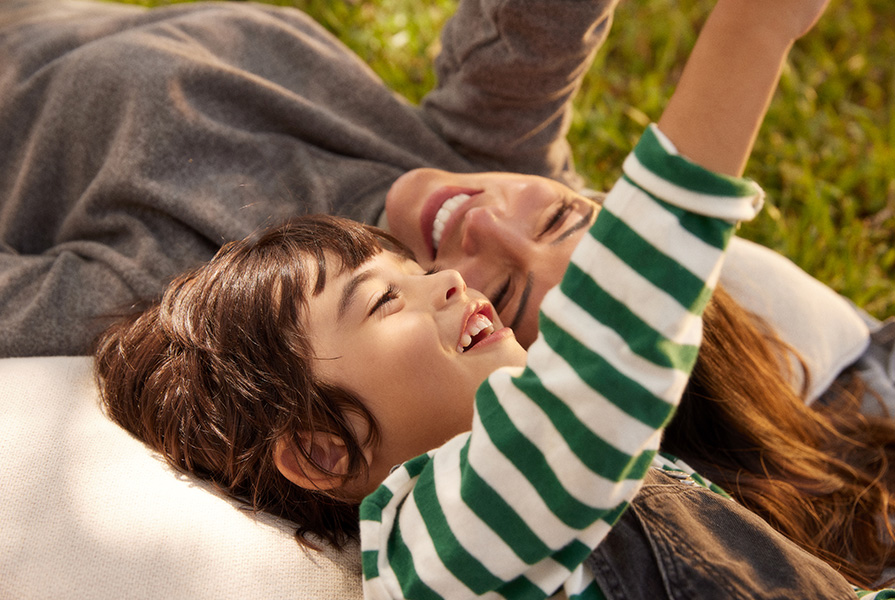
790 19
732 73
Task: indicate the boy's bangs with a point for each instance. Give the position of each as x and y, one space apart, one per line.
350 242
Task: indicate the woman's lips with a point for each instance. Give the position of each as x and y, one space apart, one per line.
430 209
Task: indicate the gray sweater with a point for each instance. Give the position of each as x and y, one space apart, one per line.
134 142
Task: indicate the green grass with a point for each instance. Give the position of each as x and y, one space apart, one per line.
825 155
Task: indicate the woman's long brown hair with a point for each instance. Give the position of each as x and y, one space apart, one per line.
820 475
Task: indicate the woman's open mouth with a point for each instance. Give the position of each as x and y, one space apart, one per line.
443 215
438 212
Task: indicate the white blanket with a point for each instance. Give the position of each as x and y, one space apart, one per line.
89 512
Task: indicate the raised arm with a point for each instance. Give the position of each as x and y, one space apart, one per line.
507 74
723 95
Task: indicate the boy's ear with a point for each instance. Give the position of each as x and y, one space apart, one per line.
326 449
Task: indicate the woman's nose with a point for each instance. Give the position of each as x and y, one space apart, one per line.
487 232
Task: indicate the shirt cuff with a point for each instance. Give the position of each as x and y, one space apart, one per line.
656 167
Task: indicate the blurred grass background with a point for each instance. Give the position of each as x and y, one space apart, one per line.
825 155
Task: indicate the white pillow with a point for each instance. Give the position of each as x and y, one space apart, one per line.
821 325
87 511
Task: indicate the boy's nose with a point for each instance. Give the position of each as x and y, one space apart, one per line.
449 286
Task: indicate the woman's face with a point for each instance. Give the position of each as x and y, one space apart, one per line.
510 236
413 346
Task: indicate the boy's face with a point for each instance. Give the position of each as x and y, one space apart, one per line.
414 346
509 235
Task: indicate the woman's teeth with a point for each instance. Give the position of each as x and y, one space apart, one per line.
444 213
479 324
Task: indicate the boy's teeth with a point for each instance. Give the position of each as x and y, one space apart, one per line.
476 325
465 340
479 323
443 214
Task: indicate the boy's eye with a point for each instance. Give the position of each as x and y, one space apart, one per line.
390 294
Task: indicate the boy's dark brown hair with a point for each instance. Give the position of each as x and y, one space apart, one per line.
219 370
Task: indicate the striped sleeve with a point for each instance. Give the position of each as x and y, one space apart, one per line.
559 448
878 595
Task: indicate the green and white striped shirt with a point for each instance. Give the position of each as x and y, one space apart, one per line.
558 449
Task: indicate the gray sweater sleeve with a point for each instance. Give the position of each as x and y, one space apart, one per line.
507 74
135 142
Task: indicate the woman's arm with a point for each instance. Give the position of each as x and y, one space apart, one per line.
507 73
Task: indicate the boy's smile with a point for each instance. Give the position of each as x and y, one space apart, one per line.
413 346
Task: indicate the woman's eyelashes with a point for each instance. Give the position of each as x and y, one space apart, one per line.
555 223
553 229
557 219
502 297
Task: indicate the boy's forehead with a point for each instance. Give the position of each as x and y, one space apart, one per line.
335 276
383 260
342 284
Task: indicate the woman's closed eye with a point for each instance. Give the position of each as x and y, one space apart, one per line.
501 297
557 219
558 227
513 291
